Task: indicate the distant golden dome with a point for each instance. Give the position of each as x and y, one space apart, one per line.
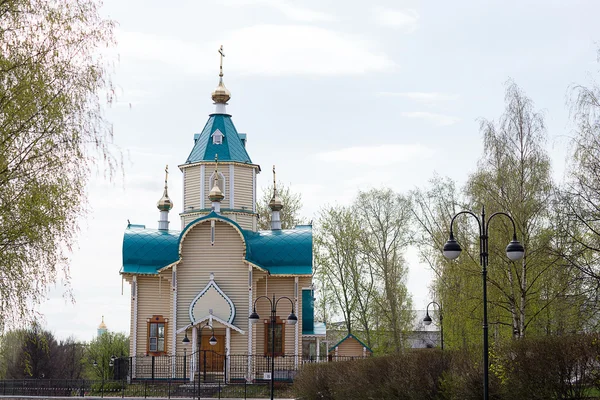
221 94
102 324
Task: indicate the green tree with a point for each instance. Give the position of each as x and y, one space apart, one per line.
514 175
384 218
101 350
52 133
348 282
290 214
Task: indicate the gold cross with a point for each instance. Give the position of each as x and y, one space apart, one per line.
166 174
222 55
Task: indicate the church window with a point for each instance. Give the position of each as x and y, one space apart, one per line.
221 182
279 337
157 330
217 137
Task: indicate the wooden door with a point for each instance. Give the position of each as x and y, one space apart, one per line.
215 354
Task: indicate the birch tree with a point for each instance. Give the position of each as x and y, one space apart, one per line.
52 135
384 217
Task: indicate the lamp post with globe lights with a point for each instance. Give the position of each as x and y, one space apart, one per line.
291 320
514 251
427 321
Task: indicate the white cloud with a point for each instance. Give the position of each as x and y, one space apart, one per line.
422 97
407 19
292 50
287 8
438 119
377 156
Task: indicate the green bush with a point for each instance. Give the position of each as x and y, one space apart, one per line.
565 367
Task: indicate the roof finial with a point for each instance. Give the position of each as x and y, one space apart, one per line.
215 194
221 95
221 66
165 203
275 204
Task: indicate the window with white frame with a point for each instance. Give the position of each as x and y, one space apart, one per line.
217 137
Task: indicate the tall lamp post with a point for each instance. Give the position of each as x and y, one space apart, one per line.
212 341
291 320
514 251
427 321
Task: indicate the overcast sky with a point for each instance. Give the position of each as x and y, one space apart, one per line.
340 95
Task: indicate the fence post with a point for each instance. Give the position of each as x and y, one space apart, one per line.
169 390
153 368
145 386
245 384
219 389
184 364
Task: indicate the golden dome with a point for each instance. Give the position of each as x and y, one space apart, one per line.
221 94
102 324
215 193
275 204
165 203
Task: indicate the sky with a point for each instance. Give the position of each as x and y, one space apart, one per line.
340 95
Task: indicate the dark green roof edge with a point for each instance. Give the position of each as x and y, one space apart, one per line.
347 337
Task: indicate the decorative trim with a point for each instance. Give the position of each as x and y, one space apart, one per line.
135 320
250 305
254 190
214 285
231 183
210 318
184 166
296 326
202 193
174 288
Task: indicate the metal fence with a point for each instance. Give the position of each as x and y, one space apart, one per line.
210 367
141 389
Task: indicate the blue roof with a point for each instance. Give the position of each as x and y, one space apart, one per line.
232 148
147 250
285 252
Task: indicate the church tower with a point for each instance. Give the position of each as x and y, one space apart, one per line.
235 176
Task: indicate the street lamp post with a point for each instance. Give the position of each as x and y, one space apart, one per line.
291 320
427 321
514 251
212 341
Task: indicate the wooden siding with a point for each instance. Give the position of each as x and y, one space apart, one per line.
191 188
349 348
244 220
154 298
242 191
225 260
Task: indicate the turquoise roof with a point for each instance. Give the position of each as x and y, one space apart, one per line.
232 148
346 338
285 252
147 250
319 329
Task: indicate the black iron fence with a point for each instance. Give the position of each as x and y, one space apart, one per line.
141 389
208 366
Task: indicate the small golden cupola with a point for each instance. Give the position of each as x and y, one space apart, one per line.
164 205
276 205
221 94
216 195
